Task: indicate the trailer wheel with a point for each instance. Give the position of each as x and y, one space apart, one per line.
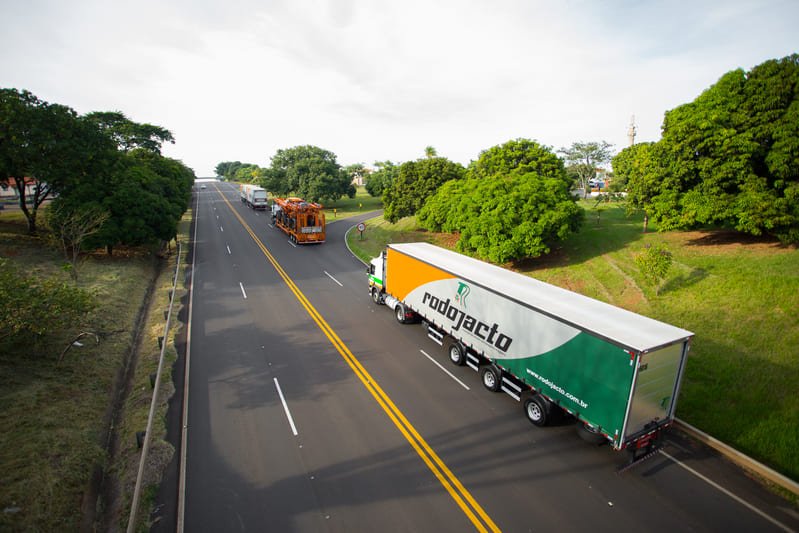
590 434
376 296
490 377
536 410
456 354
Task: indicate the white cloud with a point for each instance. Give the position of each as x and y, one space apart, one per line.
376 80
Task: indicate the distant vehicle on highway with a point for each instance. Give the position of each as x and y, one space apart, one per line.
303 222
253 196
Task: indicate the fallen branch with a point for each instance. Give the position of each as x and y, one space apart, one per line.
96 338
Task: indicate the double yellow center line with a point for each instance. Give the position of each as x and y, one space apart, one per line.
470 507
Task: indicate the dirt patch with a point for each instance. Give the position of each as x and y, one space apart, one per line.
723 241
447 240
555 258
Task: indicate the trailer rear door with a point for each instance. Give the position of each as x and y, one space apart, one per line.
656 387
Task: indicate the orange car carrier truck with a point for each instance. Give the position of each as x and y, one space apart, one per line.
303 222
618 373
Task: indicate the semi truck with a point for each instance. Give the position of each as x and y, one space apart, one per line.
556 352
254 196
303 222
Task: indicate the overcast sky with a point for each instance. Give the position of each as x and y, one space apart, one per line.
377 80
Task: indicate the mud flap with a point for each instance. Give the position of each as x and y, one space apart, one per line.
643 449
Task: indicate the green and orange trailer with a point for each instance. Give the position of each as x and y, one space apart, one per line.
555 351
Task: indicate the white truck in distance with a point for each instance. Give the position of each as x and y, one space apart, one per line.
554 351
254 196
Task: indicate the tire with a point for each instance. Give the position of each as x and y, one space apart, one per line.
490 377
376 296
536 410
399 313
457 355
589 434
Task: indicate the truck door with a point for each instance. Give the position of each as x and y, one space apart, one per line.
656 387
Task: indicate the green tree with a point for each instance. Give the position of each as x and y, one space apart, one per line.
504 218
246 173
70 228
415 182
583 158
145 196
430 152
731 157
654 264
33 307
49 143
381 178
308 171
129 135
519 156
227 169
639 166
451 207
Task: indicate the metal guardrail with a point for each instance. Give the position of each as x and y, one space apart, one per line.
739 458
134 507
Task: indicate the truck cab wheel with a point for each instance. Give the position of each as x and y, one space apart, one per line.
376 296
399 313
457 354
536 410
490 377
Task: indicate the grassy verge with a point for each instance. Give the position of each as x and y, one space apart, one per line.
350 207
739 295
53 414
137 405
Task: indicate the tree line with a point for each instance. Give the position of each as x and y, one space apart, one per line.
307 171
108 182
730 159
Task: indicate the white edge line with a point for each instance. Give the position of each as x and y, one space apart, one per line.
737 457
242 290
184 437
728 493
334 279
462 384
286 408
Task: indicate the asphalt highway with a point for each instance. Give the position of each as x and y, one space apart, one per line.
311 409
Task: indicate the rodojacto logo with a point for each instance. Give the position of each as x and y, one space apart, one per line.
463 292
461 319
